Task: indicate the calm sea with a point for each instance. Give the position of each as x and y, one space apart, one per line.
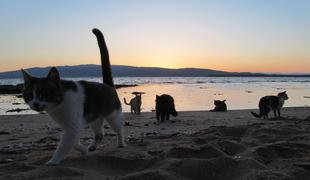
195 93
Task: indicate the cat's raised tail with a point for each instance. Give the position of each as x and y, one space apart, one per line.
126 102
105 60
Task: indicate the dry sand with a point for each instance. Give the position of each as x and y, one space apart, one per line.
195 145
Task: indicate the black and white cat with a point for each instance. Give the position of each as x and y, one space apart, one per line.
73 104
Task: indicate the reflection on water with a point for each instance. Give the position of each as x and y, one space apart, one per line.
200 96
198 93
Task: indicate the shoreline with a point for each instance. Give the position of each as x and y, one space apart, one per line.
181 111
17 89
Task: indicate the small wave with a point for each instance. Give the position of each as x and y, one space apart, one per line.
302 81
200 82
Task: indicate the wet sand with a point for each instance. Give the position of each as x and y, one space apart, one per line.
194 145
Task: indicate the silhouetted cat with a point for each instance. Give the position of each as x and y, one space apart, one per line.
268 103
219 106
165 107
135 104
73 104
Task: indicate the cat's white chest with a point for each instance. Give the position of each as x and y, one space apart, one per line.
71 108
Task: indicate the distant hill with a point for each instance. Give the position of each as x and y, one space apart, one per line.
91 70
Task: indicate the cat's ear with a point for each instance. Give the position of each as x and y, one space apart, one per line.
53 75
224 100
27 77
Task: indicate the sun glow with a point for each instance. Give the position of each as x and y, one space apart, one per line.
222 35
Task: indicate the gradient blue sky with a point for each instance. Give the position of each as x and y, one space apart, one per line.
230 35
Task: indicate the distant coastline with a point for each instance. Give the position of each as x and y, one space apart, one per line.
92 70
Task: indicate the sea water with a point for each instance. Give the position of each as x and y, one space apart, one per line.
193 93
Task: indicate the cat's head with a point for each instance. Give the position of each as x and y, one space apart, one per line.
283 95
138 96
42 94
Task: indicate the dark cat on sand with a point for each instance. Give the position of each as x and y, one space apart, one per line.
165 107
219 106
268 103
135 104
73 104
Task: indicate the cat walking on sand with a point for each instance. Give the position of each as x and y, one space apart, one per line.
73 104
271 103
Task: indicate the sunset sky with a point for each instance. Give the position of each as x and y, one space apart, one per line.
229 35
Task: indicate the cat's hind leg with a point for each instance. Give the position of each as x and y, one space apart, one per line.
162 117
139 110
115 119
275 114
132 110
98 134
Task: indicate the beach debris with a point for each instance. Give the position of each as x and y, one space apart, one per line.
19 96
137 92
306 96
17 89
17 110
16 103
4 133
109 134
117 86
151 133
11 89
48 139
4 161
247 91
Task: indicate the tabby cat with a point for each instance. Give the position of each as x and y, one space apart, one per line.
269 103
135 104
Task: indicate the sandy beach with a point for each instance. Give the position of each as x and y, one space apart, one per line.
194 145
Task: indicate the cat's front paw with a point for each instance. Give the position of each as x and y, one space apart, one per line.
121 145
53 162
